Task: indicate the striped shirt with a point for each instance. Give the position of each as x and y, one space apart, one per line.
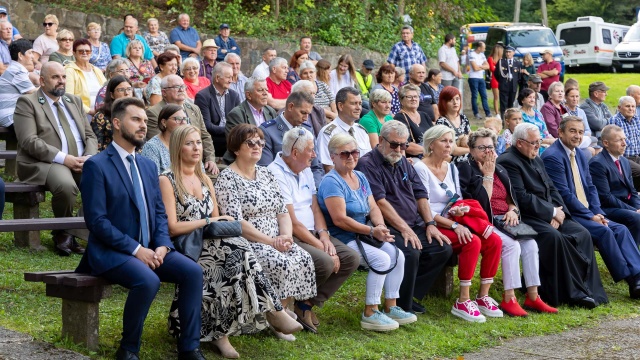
14 82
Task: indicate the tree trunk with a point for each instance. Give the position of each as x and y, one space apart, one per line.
276 8
543 8
516 12
400 8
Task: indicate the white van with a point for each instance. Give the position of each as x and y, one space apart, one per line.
627 54
589 41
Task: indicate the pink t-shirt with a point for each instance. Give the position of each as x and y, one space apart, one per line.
546 82
45 46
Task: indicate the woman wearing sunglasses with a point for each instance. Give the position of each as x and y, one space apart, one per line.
246 191
347 193
84 79
157 148
440 178
118 87
64 54
47 43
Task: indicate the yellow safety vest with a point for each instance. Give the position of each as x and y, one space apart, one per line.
364 87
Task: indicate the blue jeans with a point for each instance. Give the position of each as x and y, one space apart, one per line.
478 85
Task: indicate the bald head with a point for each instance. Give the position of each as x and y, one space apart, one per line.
634 92
53 79
417 74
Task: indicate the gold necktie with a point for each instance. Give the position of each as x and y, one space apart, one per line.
577 182
71 141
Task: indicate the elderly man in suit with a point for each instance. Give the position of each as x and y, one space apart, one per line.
295 114
54 141
568 269
129 240
173 92
216 102
254 110
569 171
507 73
611 175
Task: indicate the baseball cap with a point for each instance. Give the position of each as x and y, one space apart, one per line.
368 64
598 85
224 26
546 51
535 78
209 43
3 10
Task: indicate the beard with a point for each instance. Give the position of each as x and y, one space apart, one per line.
56 92
392 158
131 138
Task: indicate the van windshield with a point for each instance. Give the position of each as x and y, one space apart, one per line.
633 34
532 38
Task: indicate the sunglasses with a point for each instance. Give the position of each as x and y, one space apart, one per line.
66 39
446 189
344 155
300 134
49 24
394 145
252 144
84 52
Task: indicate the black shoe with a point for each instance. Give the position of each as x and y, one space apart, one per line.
634 286
62 242
586 302
191 355
75 247
123 354
417 308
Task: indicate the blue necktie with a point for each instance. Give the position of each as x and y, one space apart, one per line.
137 191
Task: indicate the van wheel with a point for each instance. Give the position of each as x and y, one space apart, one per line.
614 70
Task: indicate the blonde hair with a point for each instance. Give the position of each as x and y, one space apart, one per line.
488 122
151 20
178 138
508 114
64 33
51 18
434 133
527 59
127 52
93 25
339 140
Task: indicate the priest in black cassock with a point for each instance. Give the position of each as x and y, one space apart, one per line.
568 269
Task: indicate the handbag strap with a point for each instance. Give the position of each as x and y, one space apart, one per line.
364 256
409 126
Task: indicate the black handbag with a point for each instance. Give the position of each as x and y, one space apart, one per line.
222 229
377 244
189 244
518 232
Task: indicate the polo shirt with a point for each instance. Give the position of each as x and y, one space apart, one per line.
14 82
5 56
279 91
335 127
188 36
478 59
448 56
314 56
397 183
297 189
119 46
546 82
427 100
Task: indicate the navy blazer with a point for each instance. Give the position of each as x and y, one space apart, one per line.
208 103
558 166
274 134
111 213
613 188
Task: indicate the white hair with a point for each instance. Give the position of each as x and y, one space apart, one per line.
307 64
297 136
302 85
626 99
191 61
232 55
277 62
250 84
522 131
394 127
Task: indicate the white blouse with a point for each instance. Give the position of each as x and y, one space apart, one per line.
438 198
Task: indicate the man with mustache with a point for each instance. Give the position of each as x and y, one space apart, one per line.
54 141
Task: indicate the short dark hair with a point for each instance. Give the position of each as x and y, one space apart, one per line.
385 68
166 113
304 37
239 134
568 119
111 87
81 41
432 73
523 94
341 96
120 106
298 98
448 38
19 47
165 57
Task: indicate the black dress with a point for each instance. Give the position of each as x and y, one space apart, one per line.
416 131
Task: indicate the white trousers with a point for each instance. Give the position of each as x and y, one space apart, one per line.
512 251
381 259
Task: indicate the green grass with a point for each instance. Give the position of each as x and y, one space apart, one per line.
617 82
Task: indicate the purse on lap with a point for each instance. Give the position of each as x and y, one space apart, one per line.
191 244
222 229
518 232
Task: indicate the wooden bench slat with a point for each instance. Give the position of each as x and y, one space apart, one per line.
42 224
55 279
39 276
8 154
84 280
18 187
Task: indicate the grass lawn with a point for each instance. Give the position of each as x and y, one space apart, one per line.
617 82
438 334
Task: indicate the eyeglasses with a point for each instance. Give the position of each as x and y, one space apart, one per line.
301 132
123 71
446 189
252 144
484 147
394 145
180 119
533 143
190 69
49 24
177 87
125 90
84 52
66 39
414 97
344 155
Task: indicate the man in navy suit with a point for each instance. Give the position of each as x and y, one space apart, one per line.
611 174
569 171
129 238
297 109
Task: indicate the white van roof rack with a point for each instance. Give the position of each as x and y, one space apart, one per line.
590 18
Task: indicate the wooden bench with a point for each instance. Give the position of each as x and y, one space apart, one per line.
8 154
27 224
81 295
12 144
443 286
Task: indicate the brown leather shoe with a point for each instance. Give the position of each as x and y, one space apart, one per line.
63 243
75 247
305 319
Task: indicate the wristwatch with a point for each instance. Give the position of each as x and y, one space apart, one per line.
454 226
516 211
432 222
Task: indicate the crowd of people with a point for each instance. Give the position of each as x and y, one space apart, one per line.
326 170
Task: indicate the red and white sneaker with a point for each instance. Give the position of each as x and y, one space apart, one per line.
488 306
467 310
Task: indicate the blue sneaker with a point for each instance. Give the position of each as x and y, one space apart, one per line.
378 322
400 316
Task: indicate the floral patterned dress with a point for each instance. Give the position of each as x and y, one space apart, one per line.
464 129
101 126
259 201
236 293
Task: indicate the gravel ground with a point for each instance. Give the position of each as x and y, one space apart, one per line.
18 346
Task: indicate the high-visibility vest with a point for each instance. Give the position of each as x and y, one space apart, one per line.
364 86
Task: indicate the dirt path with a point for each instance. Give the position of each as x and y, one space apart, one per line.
18 346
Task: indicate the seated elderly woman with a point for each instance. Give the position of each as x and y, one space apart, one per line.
347 193
380 100
385 77
191 68
157 148
553 110
417 122
441 180
483 180
527 100
168 64
236 292
116 67
84 79
250 192
324 97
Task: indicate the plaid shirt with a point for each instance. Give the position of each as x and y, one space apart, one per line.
402 55
632 130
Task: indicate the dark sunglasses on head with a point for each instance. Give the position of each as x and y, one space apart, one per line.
394 145
252 144
300 134
344 155
49 24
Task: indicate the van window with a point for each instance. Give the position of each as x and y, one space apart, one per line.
532 38
633 34
494 37
576 36
606 36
